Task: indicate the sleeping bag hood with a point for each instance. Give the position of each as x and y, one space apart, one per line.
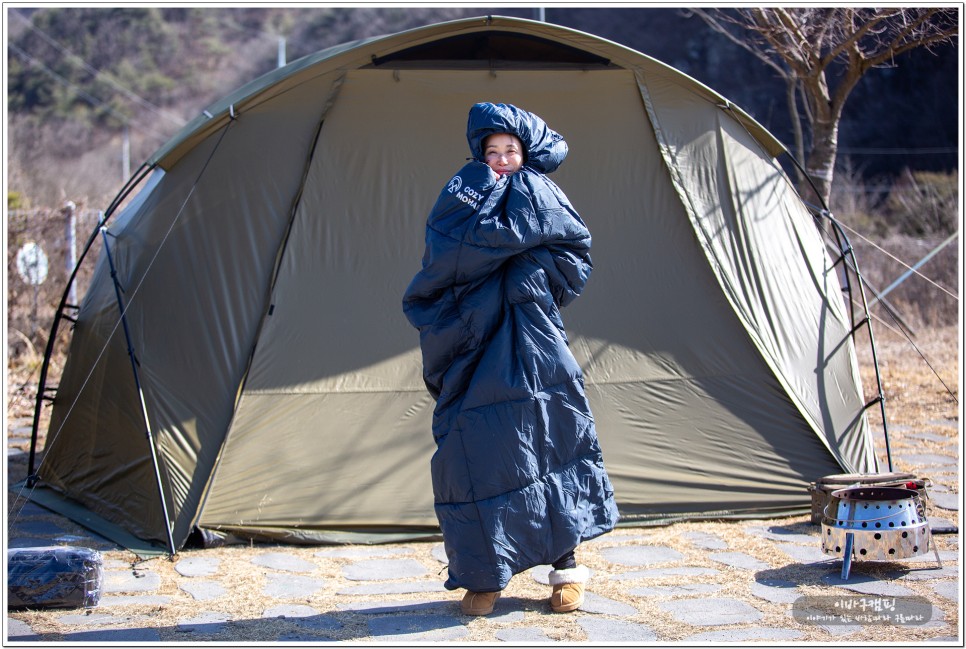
518 475
545 148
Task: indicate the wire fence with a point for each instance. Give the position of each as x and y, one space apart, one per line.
42 248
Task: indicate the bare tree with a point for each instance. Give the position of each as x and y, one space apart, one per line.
822 53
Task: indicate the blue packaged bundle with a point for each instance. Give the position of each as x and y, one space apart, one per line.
53 577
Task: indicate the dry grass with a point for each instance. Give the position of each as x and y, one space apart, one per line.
916 402
921 389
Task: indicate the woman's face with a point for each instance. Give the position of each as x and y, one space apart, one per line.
503 153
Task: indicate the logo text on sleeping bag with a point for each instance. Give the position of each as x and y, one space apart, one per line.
467 195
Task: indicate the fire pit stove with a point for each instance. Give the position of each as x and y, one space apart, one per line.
875 523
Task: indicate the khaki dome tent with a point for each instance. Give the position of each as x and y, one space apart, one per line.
265 254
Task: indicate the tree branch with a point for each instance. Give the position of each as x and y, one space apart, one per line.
785 51
813 48
904 41
852 40
791 26
761 56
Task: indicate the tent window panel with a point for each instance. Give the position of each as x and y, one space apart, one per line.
492 49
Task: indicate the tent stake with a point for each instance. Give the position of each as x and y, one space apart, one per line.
137 384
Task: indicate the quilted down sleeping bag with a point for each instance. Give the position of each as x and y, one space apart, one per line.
518 476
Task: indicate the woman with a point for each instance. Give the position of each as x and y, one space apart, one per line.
518 475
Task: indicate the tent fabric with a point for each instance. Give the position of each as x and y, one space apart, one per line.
518 475
263 262
757 263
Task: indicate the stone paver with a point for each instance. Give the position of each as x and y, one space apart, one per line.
204 623
948 501
541 574
641 555
942 525
594 603
204 589
602 629
864 584
108 601
439 553
929 573
929 437
126 581
657 573
930 557
384 569
522 634
784 534
18 630
92 619
197 566
118 636
806 553
401 606
778 591
363 552
937 618
711 611
673 591
746 635
504 615
304 616
706 540
951 590
739 560
416 628
393 588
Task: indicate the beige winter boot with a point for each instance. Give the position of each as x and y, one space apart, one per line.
568 588
478 603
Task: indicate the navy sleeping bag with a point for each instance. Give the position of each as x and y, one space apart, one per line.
518 476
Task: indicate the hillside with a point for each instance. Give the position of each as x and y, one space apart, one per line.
82 79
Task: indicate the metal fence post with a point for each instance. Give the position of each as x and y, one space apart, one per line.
70 247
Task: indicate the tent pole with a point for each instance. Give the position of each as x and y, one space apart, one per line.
137 384
867 321
847 251
42 389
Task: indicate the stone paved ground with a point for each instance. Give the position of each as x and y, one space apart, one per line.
746 581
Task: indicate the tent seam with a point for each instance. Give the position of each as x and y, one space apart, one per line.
280 253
